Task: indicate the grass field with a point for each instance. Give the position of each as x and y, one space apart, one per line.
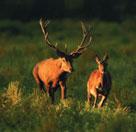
24 108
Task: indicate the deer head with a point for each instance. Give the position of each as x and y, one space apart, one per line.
65 65
102 63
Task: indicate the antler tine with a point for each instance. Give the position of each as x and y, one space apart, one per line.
85 35
84 32
82 47
44 25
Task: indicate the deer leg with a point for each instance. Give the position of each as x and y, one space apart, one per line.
53 97
95 100
48 87
51 94
50 91
63 89
41 86
39 83
94 93
101 101
88 97
37 79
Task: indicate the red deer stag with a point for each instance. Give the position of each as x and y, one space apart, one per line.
51 72
99 83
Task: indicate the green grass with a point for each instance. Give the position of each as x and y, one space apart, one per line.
24 108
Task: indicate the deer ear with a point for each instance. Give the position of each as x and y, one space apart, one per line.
97 59
106 57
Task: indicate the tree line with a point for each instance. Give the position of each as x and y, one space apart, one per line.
88 9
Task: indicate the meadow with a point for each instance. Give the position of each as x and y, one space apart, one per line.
24 108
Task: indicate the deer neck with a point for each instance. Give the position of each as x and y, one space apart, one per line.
101 72
58 63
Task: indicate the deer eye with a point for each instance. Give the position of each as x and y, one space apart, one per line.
63 60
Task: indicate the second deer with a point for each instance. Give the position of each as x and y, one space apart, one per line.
99 82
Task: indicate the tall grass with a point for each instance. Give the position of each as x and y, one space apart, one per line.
24 108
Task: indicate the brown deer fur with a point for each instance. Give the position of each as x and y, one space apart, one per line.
52 73
99 82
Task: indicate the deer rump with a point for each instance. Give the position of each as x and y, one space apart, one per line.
49 73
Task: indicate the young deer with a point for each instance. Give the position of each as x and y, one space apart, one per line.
99 82
52 72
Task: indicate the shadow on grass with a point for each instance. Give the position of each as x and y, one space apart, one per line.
132 107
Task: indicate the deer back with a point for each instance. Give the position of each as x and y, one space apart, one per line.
51 69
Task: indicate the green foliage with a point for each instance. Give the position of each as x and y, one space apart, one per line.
24 108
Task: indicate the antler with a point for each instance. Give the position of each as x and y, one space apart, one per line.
86 39
85 42
44 25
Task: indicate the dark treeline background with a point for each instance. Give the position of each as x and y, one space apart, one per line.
88 9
